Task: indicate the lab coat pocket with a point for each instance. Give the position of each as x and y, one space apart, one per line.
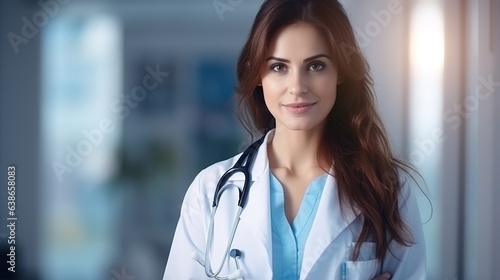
365 267
361 270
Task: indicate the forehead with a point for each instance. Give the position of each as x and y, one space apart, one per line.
298 40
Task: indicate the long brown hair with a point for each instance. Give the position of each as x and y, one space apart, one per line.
354 139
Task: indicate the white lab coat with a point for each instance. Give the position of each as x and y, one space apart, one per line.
331 236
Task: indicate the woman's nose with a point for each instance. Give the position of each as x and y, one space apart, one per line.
298 84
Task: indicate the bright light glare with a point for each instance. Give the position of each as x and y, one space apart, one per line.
426 70
425 116
427 37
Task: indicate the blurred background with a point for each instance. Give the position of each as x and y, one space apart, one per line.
110 108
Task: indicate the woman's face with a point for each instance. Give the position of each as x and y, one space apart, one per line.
299 78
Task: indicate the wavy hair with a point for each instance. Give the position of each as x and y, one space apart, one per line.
354 138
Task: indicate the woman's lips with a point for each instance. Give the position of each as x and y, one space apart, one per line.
299 108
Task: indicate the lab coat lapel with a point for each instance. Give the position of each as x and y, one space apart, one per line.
327 226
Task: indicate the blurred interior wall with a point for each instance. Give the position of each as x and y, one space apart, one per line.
453 158
482 133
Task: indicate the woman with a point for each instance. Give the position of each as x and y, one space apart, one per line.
327 199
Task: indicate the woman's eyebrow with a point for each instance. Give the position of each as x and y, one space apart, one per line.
305 60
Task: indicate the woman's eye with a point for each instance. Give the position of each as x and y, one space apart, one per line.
316 67
278 67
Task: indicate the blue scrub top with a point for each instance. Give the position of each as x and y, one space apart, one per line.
289 240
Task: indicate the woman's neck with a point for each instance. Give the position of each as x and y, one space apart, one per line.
295 152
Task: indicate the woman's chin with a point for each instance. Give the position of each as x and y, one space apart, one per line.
299 126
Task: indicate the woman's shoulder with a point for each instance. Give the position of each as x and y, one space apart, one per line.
205 182
409 187
408 180
219 168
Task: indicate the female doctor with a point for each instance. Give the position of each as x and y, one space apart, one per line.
326 198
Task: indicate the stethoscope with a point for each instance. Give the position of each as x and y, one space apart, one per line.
243 165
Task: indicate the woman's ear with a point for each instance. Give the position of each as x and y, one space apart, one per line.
340 79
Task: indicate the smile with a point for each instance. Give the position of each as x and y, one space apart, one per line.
299 108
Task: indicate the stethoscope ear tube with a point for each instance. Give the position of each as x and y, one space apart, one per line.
223 180
252 153
243 165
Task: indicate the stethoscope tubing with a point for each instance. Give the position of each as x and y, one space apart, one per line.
208 265
243 165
